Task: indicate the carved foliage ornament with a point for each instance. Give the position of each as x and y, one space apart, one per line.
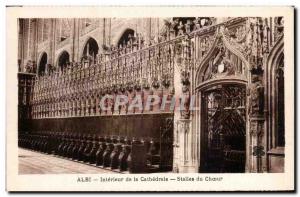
258 151
223 63
251 38
279 27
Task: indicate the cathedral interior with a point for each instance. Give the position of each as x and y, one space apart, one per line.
232 69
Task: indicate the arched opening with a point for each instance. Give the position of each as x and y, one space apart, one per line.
221 63
223 129
63 60
222 83
279 102
126 36
276 107
90 50
42 64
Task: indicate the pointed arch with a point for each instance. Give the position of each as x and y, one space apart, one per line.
204 64
90 48
125 36
275 94
42 63
63 59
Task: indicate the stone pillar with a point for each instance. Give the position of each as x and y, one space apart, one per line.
257 150
185 162
35 41
256 137
75 45
52 39
28 39
21 45
149 30
184 137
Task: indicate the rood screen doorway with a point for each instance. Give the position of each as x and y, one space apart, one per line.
223 130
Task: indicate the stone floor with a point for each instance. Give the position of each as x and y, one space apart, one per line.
31 162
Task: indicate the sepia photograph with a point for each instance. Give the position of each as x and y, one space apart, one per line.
182 94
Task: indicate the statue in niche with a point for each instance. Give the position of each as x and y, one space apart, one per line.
173 27
185 103
204 46
256 96
188 27
197 24
185 77
166 29
186 44
180 29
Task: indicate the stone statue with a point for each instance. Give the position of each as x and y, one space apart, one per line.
180 29
197 24
186 44
185 105
165 31
256 96
188 27
173 27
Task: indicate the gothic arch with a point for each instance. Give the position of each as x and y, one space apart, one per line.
221 53
275 59
90 47
123 36
62 59
42 63
203 65
274 54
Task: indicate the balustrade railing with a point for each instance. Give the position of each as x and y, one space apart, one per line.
76 90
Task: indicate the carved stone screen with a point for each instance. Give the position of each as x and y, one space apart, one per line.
100 91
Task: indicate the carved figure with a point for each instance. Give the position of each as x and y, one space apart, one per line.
256 94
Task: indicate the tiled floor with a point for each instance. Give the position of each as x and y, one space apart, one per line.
31 162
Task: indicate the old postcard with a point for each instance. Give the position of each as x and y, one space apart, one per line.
150 98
